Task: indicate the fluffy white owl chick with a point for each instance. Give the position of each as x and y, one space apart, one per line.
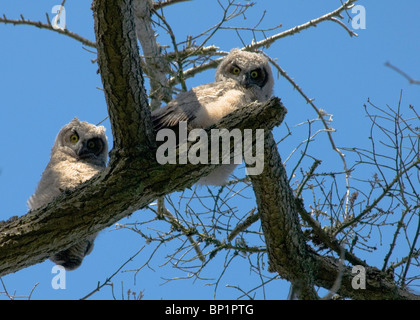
79 152
241 78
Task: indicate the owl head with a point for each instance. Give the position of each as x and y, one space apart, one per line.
82 141
250 70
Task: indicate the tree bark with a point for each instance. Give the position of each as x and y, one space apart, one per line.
129 183
122 78
280 222
288 252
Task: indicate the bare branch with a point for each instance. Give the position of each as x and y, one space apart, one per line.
164 3
405 75
156 65
351 33
107 280
48 26
162 210
249 220
312 23
328 129
177 59
379 198
268 41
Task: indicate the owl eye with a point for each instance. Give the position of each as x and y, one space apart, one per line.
254 74
236 71
74 138
91 144
95 145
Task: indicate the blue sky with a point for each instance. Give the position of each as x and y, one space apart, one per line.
47 79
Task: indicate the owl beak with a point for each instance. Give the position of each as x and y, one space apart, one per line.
245 81
84 153
87 155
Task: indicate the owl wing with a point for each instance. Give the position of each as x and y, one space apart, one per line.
200 107
191 106
183 108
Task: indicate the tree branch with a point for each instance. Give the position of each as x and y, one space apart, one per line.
379 285
163 3
270 40
288 253
129 183
119 65
156 66
279 219
405 75
48 26
312 23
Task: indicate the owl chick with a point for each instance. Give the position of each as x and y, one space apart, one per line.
241 78
79 152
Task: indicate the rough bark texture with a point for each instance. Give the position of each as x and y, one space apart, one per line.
379 285
289 255
122 79
129 183
285 243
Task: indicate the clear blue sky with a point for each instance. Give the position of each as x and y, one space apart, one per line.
47 79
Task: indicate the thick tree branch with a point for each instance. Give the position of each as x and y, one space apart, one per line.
119 65
279 219
129 183
133 178
379 285
288 253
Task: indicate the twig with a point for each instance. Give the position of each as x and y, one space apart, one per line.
195 70
251 29
187 52
107 280
307 177
328 129
161 4
252 217
400 224
328 240
5 290
32 290
405 75
60 12
312 23
48 26
412 252
378 199
351 33
263 43
240 9
162 210
178 59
